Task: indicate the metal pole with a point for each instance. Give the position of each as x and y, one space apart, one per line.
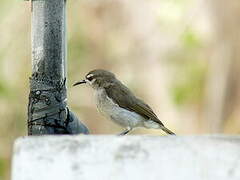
47 109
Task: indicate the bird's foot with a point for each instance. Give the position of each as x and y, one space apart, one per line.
125 132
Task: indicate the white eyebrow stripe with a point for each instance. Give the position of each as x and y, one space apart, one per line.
90 75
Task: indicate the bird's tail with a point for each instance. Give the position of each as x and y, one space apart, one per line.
166 130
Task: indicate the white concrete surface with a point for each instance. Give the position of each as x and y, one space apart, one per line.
126 158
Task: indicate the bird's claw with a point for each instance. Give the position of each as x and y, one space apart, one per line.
124 132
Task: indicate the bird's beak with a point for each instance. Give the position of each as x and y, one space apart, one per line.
80 82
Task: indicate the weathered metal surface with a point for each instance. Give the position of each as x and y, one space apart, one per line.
47 109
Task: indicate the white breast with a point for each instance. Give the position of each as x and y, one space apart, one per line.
119 115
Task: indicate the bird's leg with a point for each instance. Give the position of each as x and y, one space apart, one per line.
125 131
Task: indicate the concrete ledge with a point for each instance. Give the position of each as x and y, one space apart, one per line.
126 158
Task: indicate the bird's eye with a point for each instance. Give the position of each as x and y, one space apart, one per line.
89 77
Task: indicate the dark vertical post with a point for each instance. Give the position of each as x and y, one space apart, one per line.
47 109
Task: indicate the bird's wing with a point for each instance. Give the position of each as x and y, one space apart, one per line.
120 95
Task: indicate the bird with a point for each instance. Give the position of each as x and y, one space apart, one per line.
116 102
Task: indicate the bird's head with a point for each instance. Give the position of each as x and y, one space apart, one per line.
97 79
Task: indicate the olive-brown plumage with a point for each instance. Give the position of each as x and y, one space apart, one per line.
117 102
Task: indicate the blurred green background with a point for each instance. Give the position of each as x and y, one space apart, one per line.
180 56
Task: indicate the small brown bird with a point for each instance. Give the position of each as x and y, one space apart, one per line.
115 101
